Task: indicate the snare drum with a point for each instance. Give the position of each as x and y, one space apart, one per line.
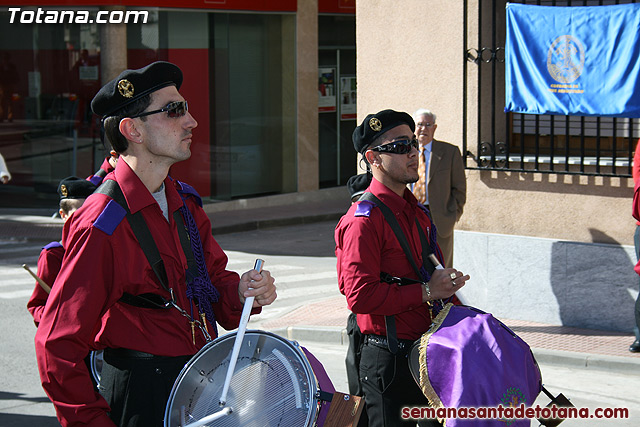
273 385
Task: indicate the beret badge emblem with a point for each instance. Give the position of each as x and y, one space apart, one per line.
375 124
125 87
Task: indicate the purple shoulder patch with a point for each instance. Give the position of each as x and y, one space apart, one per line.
96 180
364 208
53 245
110 217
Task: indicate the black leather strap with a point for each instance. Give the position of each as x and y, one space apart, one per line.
390 321
400 281
145 301
149 247
395 226
101 173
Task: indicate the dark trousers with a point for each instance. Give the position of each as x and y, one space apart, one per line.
352 362
137 389
388 387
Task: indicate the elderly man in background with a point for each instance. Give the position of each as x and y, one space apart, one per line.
442 185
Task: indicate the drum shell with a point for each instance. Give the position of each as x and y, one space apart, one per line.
271 372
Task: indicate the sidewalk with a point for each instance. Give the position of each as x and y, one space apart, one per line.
559 345
325 320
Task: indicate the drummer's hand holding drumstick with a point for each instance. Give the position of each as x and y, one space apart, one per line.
444 282
258 285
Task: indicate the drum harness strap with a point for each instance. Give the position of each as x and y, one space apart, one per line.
423 272
141 230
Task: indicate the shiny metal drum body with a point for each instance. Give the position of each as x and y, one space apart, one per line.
273 385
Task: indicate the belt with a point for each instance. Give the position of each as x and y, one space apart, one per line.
382 342
125 353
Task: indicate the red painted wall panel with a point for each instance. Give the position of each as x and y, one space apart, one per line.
194 64
337 6
255 5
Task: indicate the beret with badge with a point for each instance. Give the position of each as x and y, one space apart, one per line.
375 125
73 187
132 85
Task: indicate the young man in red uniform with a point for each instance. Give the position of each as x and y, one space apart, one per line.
73 192
366 246
149 320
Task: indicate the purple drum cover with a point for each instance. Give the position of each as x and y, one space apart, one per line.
324 382
472 360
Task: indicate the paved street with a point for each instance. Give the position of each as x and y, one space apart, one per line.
301 259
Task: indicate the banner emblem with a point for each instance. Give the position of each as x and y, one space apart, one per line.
565 59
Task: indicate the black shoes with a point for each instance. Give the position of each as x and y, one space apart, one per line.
635 347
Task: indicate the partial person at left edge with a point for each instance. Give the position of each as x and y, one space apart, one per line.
73 192
149 320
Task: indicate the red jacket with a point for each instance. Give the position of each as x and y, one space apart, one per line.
49 263
102 261
635 172
365 246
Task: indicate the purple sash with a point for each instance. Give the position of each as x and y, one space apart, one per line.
468 359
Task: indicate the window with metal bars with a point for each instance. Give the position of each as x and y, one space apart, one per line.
583 145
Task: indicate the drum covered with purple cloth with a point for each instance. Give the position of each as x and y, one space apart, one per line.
469 359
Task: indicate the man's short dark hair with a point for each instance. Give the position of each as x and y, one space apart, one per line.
67 204
112 123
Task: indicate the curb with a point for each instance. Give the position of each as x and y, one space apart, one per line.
601 362
337 335
324 334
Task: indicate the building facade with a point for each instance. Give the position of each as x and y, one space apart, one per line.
253 70
543 240
547 232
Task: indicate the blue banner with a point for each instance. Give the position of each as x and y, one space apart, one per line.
573 60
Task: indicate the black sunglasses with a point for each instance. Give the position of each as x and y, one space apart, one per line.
173 109
401 146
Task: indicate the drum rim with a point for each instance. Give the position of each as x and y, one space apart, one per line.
97 375
313 380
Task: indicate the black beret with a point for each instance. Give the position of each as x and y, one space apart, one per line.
375 125
73 187
132 85
357 184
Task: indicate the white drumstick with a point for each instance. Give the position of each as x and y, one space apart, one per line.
242 327
206 420
439 266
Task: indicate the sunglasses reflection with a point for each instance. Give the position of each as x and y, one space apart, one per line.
401 146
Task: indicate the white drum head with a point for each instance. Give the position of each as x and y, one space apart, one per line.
273 385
